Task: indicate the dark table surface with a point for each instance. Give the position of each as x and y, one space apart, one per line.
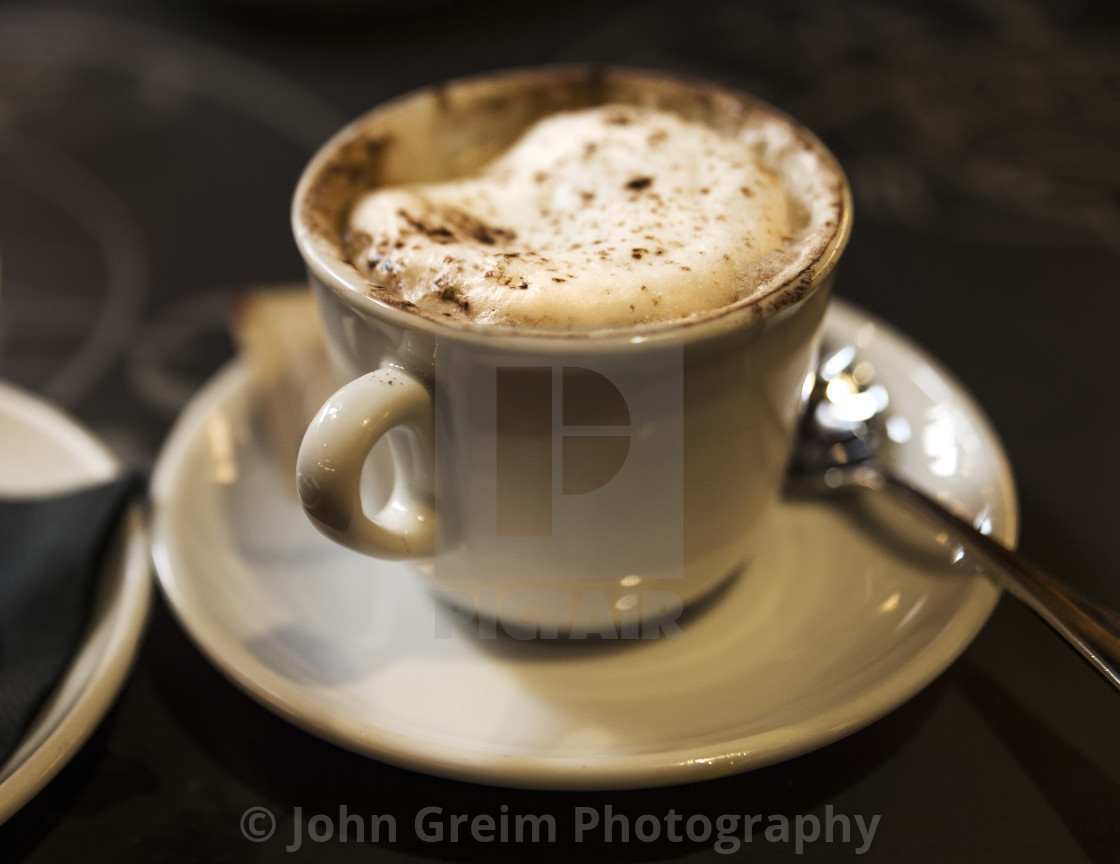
147 156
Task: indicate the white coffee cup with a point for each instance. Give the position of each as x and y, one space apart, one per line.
554 482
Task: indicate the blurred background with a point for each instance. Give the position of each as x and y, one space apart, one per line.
148 152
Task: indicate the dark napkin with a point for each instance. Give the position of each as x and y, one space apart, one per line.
50 554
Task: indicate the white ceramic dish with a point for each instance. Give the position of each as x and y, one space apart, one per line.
848 614
43 451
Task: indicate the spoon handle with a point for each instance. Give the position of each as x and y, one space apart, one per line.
1093 630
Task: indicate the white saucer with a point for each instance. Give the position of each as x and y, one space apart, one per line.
835 626
43 451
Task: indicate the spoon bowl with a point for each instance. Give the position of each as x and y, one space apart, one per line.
843 442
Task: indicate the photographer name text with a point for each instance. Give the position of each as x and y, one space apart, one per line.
726 833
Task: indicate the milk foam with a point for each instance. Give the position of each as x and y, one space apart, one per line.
612 215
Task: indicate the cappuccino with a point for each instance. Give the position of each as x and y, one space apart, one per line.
614 214
579 306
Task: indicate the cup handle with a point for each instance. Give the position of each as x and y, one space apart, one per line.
336 446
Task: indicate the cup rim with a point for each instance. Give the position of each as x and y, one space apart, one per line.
345 282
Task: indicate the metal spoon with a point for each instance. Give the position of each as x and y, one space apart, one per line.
842 432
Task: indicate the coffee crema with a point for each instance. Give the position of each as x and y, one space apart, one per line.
617 214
